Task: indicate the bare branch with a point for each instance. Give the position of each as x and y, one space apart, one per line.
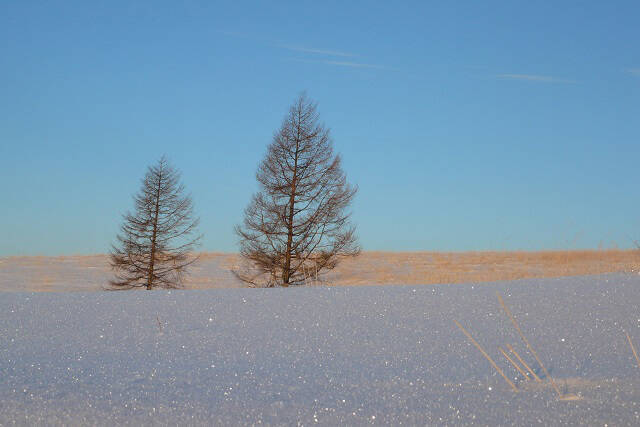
156 244
298 221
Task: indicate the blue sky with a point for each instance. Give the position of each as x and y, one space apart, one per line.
466 125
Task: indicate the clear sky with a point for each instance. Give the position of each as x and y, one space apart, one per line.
466 125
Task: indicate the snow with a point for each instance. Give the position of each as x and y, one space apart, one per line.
321 355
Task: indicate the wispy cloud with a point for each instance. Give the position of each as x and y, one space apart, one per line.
355 65
272 43
317 51
634 71
309 50
348 64
534 78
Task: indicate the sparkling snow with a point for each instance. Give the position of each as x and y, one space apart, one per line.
347 355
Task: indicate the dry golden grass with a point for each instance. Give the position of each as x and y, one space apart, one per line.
526 341
91 272
521 360
633 349
484 353
564 394
572 388
464 267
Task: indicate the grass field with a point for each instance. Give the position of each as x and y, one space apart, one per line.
91 272
464 267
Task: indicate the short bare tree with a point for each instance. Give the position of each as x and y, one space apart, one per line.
297 225
155 245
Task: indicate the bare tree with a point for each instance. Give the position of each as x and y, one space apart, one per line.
298 222
155 245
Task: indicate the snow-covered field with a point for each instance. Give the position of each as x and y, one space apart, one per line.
327 355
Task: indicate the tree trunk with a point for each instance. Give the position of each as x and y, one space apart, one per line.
292 199
153 237
287 256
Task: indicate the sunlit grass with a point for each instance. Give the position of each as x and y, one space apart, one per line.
91 272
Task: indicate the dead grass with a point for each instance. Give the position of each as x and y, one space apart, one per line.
572 388
578 384
526 341
464 267
633 349
484 353
91 272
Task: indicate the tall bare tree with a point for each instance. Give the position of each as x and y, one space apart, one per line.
155 245
298 222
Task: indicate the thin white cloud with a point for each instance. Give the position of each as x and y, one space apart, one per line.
634 71
348 64
266 42
317 51
309 50
534 78
355 65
